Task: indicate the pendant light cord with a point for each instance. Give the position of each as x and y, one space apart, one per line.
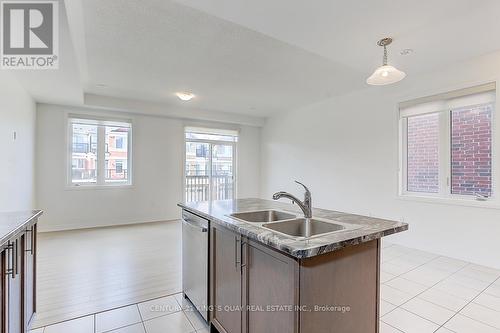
384 61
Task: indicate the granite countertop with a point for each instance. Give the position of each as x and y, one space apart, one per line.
11 223
367 228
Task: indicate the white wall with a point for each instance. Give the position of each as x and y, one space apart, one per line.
158 147
17 114
346 149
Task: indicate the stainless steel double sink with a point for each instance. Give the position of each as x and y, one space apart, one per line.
289 225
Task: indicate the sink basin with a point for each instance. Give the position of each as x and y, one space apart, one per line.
305 228
263 216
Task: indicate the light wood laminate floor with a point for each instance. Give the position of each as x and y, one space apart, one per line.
82 272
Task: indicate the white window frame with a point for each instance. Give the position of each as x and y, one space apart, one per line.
212 143
444 194
101 124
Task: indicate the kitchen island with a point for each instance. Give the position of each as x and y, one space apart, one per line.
262 279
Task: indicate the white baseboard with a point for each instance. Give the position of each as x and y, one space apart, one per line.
42 227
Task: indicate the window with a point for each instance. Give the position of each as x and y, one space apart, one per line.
209 164
119 167
446 145
201 151
471 139
423 157
98 151
84 153
119 142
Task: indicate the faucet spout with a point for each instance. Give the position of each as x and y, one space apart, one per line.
305 206
278 195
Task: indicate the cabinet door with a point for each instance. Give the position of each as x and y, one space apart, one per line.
29 275
226 280
13 287
271 291
3 298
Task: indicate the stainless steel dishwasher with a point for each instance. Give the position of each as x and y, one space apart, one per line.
195 261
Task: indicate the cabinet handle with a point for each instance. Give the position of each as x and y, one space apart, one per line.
242 256
10 250
238 246
33 235
238 255
15 263
235 251
30 231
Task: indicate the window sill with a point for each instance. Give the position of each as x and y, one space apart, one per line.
99 187
490 204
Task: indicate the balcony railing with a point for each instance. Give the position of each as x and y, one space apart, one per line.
85 148
112 174
85 175
198 188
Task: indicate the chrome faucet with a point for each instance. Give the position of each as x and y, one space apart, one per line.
305 205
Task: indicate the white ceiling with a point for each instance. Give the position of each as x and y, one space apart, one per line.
150 52
346 32
255 57
61 86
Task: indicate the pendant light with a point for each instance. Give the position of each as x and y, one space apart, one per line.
385 74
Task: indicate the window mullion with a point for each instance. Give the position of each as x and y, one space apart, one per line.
233 171
404 155
69 151
101 154
495 153
444 154
210 170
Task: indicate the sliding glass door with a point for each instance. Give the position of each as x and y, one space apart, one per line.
209 166
197 179
222 172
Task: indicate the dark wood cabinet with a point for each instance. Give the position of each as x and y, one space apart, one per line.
3 297
226 280
18 282
29 275
256 289
347 278
13 286
271 292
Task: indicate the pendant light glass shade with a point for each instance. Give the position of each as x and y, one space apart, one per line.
385 74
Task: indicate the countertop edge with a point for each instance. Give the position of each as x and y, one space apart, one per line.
8 236
301 253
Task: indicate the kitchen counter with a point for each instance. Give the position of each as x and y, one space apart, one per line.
13 223
368 228
18 249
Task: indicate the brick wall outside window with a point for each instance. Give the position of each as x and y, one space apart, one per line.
471 150
423 153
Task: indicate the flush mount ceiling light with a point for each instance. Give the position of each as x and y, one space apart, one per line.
185 96
385 74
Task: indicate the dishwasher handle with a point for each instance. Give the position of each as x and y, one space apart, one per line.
195 226
194 221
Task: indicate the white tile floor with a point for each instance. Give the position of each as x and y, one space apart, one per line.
420 292
423 292
172 314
